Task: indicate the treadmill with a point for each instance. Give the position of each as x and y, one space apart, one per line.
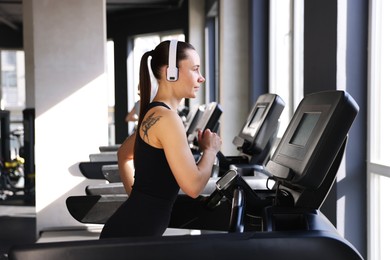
283 222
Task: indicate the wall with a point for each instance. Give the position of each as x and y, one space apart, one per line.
196 21
64 44
234 70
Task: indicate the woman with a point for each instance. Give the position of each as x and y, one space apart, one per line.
163 161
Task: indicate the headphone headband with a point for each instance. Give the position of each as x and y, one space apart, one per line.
172 71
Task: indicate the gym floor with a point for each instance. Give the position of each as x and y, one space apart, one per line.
17 224
18 227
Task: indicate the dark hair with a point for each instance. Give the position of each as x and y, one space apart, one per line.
159 59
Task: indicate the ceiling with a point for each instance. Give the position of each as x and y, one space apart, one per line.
11 14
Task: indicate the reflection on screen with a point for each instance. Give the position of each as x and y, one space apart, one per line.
304 129
256 117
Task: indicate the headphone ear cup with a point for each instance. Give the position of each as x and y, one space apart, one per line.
172 74
172 70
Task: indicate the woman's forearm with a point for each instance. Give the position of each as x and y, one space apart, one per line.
125 163
126 171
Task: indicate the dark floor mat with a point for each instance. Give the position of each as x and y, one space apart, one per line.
18 200
16 231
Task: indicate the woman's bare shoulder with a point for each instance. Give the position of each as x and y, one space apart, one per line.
158 114
158 123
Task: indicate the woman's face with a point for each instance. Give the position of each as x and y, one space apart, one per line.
190 77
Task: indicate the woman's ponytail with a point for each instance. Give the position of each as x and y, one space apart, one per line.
145 86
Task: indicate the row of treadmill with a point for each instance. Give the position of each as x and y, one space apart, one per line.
261 204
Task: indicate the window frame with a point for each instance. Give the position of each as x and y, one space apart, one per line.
376 170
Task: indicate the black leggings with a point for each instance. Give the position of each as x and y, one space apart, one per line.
139 215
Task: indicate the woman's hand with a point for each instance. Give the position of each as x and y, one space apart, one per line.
209 141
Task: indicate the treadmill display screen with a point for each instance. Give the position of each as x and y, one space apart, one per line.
253 123
305 128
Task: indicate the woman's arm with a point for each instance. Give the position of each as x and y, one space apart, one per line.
125 163
131 116
191 177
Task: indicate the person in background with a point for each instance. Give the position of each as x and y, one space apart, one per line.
132 116
156 161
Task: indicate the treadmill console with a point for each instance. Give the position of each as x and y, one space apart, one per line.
194 119
209 119
261 125
256 138
313 139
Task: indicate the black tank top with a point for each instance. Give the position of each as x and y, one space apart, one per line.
153 176
148 209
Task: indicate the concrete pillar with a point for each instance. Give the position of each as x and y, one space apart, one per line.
234 71
196 10
65 47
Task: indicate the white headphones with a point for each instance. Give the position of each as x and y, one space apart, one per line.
172 71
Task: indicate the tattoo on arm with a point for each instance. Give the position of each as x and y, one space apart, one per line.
148 123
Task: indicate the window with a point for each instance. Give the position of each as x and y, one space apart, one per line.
111 91
286 55
12 91
379 129
12 80
211 64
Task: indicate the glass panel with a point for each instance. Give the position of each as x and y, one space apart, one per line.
286 55
384 216
380 225
111 92
13 94
12 78
141 45
380 138
379 129
280 55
